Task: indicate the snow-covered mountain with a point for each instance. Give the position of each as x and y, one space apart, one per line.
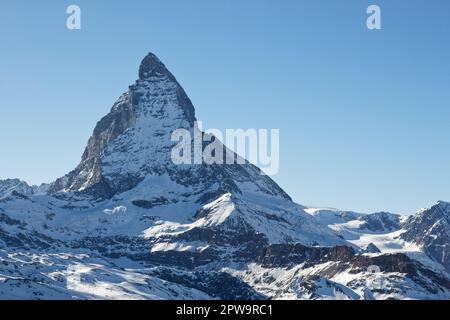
129 223
10 187
431 230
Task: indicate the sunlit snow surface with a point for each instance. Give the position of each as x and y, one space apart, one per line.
128 223
63 273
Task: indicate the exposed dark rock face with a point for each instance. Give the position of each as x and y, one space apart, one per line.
150 204
219 285
398 262
27 241
372 248
401 263
431 229
246 246
134 248
88 174
292 255
152 67
5 219
285 255
381 222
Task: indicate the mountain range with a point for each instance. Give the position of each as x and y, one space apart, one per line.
128 223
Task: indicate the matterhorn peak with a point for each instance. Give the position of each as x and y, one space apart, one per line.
182 230
152 66
134 135
133 143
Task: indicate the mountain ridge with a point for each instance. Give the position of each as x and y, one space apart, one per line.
129 219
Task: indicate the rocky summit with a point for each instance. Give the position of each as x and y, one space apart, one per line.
128 223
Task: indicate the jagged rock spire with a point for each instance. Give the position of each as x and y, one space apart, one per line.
133 141
152 66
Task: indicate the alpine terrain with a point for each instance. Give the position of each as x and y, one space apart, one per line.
128 223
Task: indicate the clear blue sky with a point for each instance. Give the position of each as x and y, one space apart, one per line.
363 115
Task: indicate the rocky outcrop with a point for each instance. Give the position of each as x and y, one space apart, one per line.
218 285
431 230
372 248
285 255
381 222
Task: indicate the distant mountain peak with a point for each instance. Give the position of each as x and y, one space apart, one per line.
11 186
151 66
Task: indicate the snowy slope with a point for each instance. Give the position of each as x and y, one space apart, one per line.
128 223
